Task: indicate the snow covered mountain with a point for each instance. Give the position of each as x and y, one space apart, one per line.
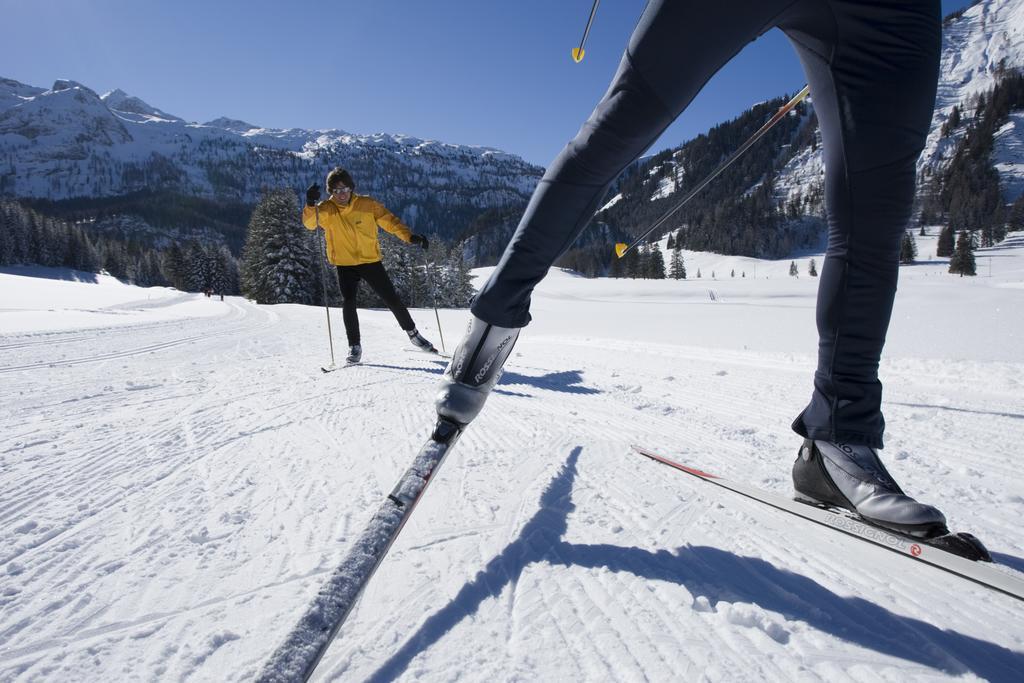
980 45
977 47
69 142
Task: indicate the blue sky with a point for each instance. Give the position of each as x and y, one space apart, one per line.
477 72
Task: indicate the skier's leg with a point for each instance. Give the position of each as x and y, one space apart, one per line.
676 47
348 280
873 70
377 277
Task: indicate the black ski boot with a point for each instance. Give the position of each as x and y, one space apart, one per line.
355 354
853 478
420 342
474 369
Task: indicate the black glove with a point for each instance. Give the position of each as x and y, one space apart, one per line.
419 240
312 194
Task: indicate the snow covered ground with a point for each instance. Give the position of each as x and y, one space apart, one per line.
178 478
35 299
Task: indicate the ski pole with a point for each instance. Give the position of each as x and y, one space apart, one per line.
323 277
621 248
433 295
577 52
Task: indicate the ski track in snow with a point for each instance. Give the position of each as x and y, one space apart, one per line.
176 492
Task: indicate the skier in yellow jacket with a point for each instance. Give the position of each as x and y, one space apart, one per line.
350 223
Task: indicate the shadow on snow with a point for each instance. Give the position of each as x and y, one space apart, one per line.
565 381
719 576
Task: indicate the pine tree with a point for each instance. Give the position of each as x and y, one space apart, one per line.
952 122
908 248
173 266
6 236
945 243
115 260
431 273
812 269
148 271
1016 214
698 273
995 230
632 264
793 270
279 261
962 261
616 269
459 278
224 272
82 255
677 269
655 263
197 270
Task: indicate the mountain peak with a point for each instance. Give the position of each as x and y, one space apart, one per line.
68 84
119 100
234 125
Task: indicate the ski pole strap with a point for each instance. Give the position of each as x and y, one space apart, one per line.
621 248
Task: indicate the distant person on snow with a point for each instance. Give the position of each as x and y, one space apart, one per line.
350 223
873 71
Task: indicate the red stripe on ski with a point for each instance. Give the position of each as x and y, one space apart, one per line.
672 463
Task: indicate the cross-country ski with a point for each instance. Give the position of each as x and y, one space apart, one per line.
944 553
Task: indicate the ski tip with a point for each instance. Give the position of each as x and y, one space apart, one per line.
672 463
577 54
620 248
332 368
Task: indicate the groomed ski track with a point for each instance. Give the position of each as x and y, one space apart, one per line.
176 492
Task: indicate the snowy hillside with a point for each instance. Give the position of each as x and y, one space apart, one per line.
179 478
70 142
976 46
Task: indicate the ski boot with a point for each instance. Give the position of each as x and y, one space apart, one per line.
853 478
355 354
420 342
473 371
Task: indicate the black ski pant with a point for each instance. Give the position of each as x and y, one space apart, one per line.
375 276
872 66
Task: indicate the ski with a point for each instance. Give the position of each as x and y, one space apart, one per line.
332 367
922 550
301 651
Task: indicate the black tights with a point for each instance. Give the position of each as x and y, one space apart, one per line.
375 276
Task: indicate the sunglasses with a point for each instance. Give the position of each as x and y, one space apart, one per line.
341 189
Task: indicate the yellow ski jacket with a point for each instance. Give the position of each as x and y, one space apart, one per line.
352 229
